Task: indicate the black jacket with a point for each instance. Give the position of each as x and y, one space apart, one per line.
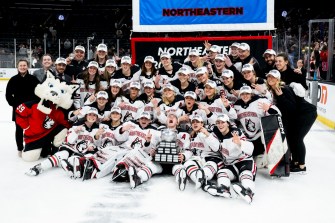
20 89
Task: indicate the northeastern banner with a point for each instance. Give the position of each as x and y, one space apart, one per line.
206 15
180 47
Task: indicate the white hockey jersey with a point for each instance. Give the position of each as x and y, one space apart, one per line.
230 151
249 115
203 146
131 109
135 138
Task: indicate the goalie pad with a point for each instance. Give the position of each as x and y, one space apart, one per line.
276 149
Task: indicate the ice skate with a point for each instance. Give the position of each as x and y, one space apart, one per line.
181 179
210 187
67 167
133 178
88 169
243 192
34 171
200 178
223 191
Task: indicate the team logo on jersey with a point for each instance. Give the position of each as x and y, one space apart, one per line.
250 125
106 143
128 117
81 146
137 143
87 96
48 123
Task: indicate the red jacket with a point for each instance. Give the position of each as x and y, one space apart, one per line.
37 124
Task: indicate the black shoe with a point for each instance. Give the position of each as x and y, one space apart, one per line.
297 169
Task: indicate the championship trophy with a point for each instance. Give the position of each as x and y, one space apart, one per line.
167 150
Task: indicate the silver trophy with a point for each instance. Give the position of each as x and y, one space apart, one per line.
167 150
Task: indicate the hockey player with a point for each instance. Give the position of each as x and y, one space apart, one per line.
127 74
140 139
89 82
148 95
104 160
250 108
98 101
183 142
132 106
238 162
115 93
257 84
201 162
81 140
171 102
217 104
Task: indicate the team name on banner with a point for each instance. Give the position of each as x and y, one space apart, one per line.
205 15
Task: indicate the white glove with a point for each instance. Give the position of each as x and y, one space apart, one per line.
298 89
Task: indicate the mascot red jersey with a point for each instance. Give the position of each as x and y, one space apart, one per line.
44 122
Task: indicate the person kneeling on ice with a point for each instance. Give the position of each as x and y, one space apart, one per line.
201 162
82 139
140 138
238 162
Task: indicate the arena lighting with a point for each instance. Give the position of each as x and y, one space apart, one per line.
284 14
61 17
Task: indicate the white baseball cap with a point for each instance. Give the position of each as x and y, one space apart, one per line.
244 46
193 52
211 83
102 47
92 110
191 94
111 62
102 94
223 118
235 44
149 59
145 115
220 57
201 70
135 84
197 117
183 70
166 55
60 60
149 84
247 67
116 109
245 89
227 73
81 48
126 59
215 48
115 83
93 64
274 73
168 86
269 51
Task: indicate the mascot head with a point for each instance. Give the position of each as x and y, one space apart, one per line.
59 93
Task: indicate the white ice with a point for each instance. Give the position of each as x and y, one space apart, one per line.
52 197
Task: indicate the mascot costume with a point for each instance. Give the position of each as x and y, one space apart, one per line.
44 123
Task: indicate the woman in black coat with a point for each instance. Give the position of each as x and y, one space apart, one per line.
298 116
20 89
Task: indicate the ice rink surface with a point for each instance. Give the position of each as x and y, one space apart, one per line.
52 197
